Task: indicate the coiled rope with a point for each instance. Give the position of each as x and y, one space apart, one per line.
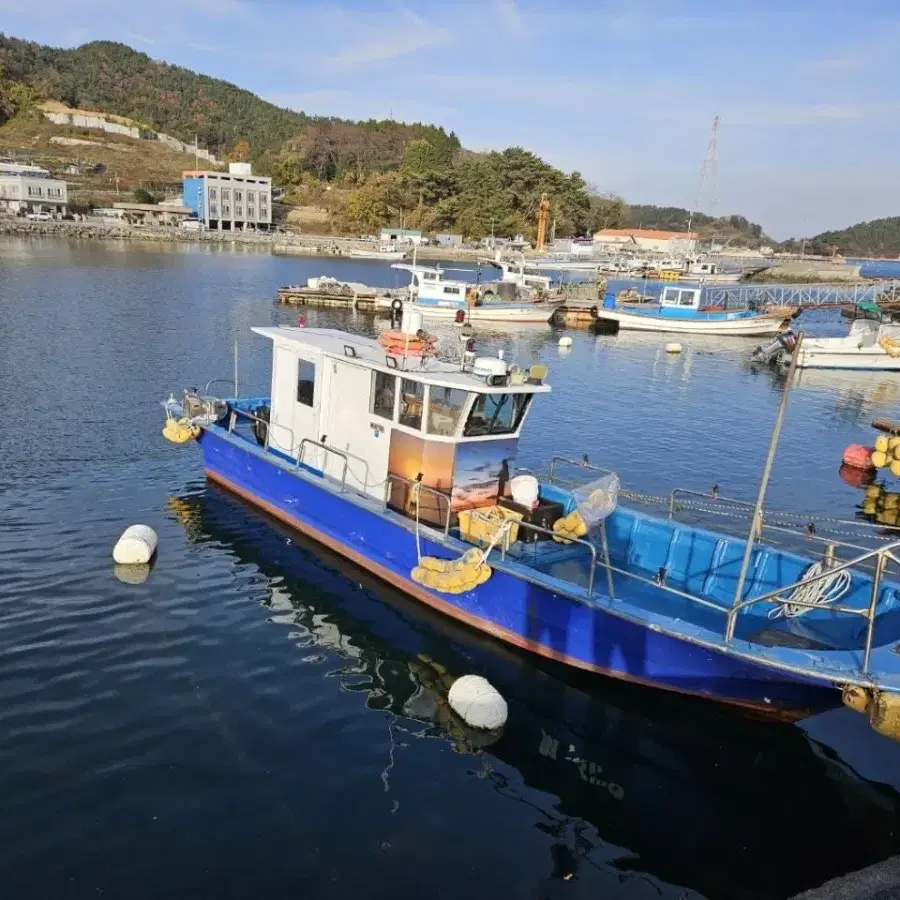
820 593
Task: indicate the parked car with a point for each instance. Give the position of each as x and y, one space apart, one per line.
39 217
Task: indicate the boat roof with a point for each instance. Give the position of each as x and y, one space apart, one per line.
368 352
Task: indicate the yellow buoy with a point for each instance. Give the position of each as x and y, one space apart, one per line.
882 443
869 507
895 468
873 492
879 458
893 442
891 500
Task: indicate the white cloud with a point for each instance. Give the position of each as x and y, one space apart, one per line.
835 65
510 17
407 33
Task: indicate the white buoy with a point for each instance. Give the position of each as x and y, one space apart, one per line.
673 347
477 702
565 342
136 546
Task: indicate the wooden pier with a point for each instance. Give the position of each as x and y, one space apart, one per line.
348 294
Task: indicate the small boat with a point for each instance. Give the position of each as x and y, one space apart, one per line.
382 252
870 344
406 467
515 273
679 310
438 297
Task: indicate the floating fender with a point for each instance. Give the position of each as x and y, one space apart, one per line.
858 456
566 341
884 714
477 702
673 347
136 546
396 304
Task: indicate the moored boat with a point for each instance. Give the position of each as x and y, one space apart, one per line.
870 344
406 467
439 297
389 254
679 311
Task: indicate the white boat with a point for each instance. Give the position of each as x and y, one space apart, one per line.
385 253
514 273
870 345
438 297
709 272
563 264
678 311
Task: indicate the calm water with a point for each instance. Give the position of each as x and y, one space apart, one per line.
260 719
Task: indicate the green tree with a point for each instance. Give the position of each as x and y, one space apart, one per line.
142 195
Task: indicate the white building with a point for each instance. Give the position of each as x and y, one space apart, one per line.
235 200
647 240
30 189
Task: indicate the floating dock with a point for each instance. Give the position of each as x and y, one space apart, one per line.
330 292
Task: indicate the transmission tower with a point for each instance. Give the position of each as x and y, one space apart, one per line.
709 175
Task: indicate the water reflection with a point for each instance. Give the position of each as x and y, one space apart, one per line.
639 784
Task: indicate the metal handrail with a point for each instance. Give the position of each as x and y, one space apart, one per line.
711 498
477 515
327 450
869 613
268 423
578 464
422 487
218 381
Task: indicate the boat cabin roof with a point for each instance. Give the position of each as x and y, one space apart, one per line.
683 297
368 352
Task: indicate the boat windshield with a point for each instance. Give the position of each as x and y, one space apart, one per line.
496 414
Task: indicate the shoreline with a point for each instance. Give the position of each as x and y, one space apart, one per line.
277 243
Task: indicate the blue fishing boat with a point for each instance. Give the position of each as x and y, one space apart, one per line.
406 466
680 310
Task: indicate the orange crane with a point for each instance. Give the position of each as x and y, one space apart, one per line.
543 217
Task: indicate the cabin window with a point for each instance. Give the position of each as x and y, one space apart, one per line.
306 382
429 276
445 406
451 290
496 414
686 298
412 395
384 387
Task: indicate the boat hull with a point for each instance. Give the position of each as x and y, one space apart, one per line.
508 607
376 254
870 360
493 312
755 326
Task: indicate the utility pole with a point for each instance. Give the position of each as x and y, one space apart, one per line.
116 176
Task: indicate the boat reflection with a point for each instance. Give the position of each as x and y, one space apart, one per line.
633 781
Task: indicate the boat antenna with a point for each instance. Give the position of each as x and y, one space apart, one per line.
756 524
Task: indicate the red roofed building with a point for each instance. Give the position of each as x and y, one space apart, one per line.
646 239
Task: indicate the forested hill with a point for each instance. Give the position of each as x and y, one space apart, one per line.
735 228
880 237
113 78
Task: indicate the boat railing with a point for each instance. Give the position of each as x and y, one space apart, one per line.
213 381
583 463
881 555
309 442
422 488
300 448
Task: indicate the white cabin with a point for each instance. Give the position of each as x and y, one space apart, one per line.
430 288
341 404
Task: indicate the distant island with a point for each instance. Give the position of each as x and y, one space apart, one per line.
336 176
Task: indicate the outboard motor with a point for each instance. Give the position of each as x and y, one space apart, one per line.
203 410
768 354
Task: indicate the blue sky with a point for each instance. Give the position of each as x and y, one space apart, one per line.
625 92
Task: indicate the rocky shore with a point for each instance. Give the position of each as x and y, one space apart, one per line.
94 230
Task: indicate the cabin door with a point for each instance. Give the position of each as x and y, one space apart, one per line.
353 430
295 405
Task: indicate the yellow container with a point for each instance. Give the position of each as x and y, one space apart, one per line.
669 275
479 526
